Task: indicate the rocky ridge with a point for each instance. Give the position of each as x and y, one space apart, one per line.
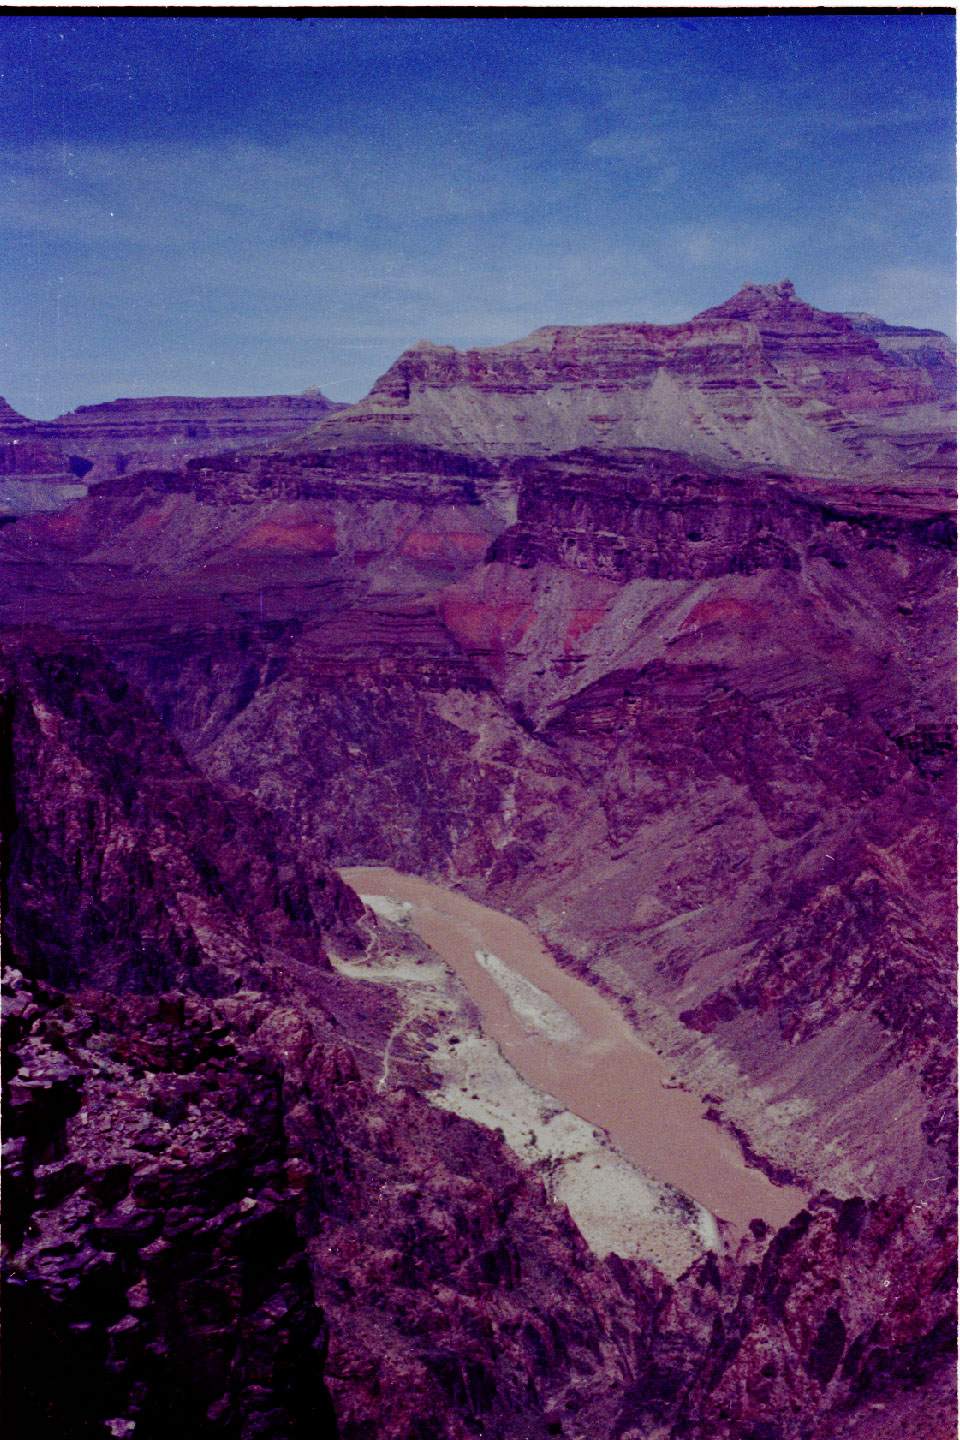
44 464
762 380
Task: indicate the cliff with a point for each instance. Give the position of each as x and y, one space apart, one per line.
44 464
125 435
763 380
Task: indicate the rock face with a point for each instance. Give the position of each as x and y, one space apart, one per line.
35 471
797 1338
126 435
159 882
44 464
763 380
676 689
911 346
154 1257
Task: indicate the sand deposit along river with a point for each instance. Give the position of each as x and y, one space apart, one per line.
571 1044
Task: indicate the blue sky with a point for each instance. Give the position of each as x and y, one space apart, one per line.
246 206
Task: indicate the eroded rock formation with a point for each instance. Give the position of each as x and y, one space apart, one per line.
645 634
762 379
44 464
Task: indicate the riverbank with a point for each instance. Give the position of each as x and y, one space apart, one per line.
558 1071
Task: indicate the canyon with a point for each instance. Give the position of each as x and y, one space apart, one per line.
641 637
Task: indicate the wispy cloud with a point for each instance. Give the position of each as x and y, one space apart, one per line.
161 195
282 203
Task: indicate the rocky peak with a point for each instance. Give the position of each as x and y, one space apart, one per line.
764 380
431 347
776 306
751 300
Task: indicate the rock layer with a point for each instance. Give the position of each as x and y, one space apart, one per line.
763 379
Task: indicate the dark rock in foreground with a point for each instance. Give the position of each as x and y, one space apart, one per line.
153 1232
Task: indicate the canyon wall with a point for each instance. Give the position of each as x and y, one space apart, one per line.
762 379
44 464
677 690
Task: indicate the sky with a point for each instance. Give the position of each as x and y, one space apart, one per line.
223 205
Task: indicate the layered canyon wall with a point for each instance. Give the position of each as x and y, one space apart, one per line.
676 689
44 464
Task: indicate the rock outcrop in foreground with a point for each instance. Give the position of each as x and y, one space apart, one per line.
678 691
153 1227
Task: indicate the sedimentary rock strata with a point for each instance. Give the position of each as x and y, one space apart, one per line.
641 633
762 379
46 463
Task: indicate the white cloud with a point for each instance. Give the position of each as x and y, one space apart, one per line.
723 243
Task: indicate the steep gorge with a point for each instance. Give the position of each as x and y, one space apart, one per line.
676 695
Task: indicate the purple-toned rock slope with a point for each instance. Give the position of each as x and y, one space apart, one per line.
644 634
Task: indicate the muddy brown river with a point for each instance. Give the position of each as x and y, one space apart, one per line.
567 1040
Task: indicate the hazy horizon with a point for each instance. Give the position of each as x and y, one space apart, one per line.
227 206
